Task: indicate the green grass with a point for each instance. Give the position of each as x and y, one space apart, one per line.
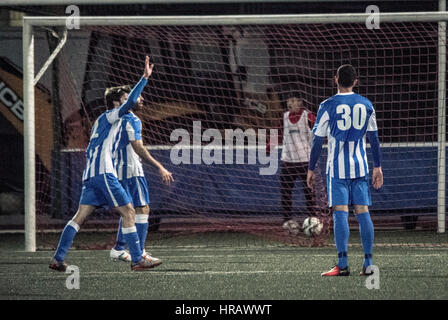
412 266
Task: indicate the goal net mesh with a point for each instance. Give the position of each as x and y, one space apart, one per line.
240 77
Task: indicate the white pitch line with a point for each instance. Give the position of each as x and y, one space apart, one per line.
179 273
171 273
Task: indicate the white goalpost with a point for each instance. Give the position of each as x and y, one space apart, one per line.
29 138
30 23
441 205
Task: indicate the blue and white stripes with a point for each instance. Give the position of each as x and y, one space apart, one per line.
99 153
347 159
345 119
127 163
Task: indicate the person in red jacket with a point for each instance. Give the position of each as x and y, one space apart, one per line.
296 136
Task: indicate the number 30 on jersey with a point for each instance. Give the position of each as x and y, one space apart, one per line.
357 119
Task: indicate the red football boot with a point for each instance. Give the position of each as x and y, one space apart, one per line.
336 271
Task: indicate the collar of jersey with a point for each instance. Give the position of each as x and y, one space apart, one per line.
345 93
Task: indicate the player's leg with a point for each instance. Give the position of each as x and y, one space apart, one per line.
118 252
120 243
129 231
67 236
310 198
367 233
338 197
362 200
130 234
140 196
87 204
118 198
286 187
121 200
141 222
138 190
341 233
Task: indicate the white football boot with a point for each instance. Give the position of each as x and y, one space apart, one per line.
120 255
152 260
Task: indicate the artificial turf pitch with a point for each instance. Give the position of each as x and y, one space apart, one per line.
412 265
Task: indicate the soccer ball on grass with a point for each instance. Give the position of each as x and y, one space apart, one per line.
312 226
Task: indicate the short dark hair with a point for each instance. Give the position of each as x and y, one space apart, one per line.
114 94
346 75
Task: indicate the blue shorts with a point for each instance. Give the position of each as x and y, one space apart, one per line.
137 189
348 191
104 190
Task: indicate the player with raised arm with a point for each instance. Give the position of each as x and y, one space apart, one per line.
128 153
345 119
100 183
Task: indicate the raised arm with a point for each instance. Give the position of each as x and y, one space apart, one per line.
132 98
114 115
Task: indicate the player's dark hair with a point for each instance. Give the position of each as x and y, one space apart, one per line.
114 94
346 76
126 88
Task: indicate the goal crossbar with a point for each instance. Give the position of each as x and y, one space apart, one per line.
430 16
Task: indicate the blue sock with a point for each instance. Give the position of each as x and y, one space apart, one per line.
341 234
141 223
131 236
66 240
367 236
120 242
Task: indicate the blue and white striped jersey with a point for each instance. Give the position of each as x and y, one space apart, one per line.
99 153
99 150
345 118
127 163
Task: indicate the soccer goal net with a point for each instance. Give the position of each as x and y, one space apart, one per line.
215 107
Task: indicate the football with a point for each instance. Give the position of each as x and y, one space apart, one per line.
291 227
312 226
